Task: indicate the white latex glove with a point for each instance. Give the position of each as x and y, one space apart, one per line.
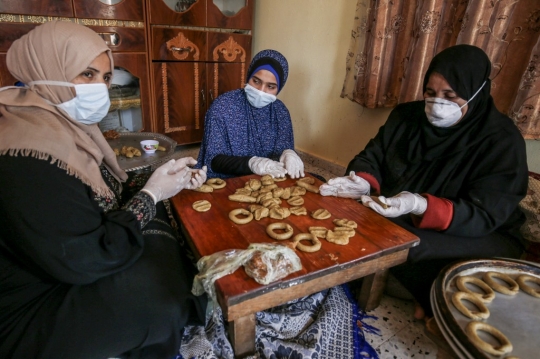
293 164
350 186
265 166
165 182
198 177
403 203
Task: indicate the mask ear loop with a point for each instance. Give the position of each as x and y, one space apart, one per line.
476 93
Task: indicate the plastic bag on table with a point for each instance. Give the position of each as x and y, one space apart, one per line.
264 262
270 262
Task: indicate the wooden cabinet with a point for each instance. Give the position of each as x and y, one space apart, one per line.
184 53
196 54
121 23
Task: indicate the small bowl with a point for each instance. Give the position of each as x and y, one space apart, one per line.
149 146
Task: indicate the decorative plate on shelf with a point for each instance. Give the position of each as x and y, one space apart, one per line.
146 160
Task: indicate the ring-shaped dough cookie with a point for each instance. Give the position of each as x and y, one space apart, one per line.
471 330
279 225
483 312
315 243
488 295
216 183
512 288
527 288
233 216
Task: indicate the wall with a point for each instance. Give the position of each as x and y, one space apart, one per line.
314 37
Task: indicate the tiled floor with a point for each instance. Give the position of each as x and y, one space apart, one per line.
400 336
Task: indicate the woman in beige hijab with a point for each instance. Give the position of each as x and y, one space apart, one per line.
86 272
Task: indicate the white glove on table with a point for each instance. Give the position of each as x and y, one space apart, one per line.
165 182
293 164
350 186
403 203
265 166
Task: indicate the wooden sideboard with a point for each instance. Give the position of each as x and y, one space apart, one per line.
184 53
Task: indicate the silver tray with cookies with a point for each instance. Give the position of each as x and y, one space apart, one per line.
146 161
488 308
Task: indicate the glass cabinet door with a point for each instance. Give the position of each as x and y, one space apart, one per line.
176 12
231 14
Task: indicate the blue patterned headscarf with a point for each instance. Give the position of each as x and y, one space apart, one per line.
275 60
233 127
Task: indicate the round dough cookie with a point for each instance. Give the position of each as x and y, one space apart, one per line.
527 288
483 312
205 188
471 330
344 222
298 211
295 201
235 212
488 295
512 288
321 214
201 206
288 230
216 183
315 243
279 212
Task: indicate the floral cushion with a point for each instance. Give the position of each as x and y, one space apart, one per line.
530 205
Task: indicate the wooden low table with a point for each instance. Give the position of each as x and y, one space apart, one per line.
378 245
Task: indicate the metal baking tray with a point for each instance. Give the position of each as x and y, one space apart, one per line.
146 160
515 316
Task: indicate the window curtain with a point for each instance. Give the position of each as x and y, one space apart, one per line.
393 42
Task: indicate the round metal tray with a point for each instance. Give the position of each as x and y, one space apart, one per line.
515 316
146 160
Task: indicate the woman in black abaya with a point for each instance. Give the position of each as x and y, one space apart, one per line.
451 168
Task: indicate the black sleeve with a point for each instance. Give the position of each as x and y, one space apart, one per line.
231 165
51 225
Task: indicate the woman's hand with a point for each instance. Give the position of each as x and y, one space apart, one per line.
293 164
265 166
166 181
198 177
405 202
350 186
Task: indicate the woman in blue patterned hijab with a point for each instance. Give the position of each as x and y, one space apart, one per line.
249 130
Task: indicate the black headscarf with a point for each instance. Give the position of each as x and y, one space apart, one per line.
465 68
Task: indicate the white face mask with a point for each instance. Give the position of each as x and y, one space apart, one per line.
90 104
444 113
258 98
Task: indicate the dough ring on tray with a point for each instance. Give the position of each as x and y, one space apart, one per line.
235 212
512 288
315 243
457 297
216 183
527 288
471 330
279 225
201 206
488 295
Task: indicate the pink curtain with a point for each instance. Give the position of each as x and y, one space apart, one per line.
393 42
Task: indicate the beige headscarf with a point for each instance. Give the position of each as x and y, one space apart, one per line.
30 126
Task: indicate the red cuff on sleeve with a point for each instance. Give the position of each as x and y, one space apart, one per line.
438 215
373 183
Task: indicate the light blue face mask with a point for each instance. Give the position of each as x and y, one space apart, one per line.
90 104
258 98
